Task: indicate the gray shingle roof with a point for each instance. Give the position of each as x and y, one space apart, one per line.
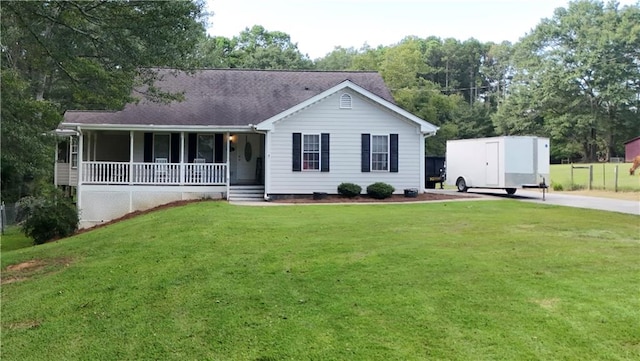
230 97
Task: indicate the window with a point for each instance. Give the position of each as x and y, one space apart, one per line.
345 101
379 152
205 147
74 152
311 152
161 146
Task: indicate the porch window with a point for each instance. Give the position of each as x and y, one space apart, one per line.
74 152
63 152
311 152
205 147
161 146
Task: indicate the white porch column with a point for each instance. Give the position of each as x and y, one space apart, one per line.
182 165
267 163
131 157
228 175
94 134
80 170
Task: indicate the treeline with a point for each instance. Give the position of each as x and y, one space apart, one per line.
575 78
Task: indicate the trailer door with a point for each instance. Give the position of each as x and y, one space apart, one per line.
491 160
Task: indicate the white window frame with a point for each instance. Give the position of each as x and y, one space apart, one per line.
304 151
168 156
346 101
385 163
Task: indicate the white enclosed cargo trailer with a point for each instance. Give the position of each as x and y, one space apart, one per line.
508 162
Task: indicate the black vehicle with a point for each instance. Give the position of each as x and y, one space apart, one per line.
435 171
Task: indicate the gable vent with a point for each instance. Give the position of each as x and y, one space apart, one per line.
345 101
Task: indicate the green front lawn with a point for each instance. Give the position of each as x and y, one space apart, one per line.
474 280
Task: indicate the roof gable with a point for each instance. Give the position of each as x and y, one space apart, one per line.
425 127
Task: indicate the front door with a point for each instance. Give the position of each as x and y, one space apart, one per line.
246 159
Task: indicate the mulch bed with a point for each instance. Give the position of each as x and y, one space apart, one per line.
334 198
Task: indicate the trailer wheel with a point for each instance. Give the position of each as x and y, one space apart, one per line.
510 191
461 184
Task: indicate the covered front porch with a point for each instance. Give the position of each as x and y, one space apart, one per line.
161 158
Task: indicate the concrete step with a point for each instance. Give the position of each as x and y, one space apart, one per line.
246 193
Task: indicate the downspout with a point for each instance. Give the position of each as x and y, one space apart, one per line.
266 164
228 175
424 154
55 166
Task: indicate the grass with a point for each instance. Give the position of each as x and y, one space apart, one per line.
603 177
13 239
477 280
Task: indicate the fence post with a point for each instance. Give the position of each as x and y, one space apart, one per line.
571 175
604 184
590 176
615 171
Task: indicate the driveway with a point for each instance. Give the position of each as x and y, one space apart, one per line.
569 200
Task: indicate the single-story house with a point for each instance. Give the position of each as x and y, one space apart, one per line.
631 149
240 134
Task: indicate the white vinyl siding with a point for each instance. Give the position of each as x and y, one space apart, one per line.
346 129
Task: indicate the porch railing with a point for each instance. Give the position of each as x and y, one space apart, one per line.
154 173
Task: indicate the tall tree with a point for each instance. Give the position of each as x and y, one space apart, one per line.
59 55
579 72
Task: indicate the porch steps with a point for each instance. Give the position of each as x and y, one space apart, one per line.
248 193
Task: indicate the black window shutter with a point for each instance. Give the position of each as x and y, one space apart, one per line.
324 152
219 148
366 153
192 147
148 147
393 157
297 152
175 147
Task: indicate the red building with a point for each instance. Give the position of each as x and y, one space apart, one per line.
631 149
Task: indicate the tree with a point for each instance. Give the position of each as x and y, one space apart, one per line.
339 59
59 55
578 72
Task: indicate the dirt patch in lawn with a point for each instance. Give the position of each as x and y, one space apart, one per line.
25 270
396 198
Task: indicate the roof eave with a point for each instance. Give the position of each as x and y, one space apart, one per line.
157 127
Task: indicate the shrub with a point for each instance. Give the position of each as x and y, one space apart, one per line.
349 190
47 217
380 190
558 187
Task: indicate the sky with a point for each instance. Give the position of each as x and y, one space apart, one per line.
318 26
